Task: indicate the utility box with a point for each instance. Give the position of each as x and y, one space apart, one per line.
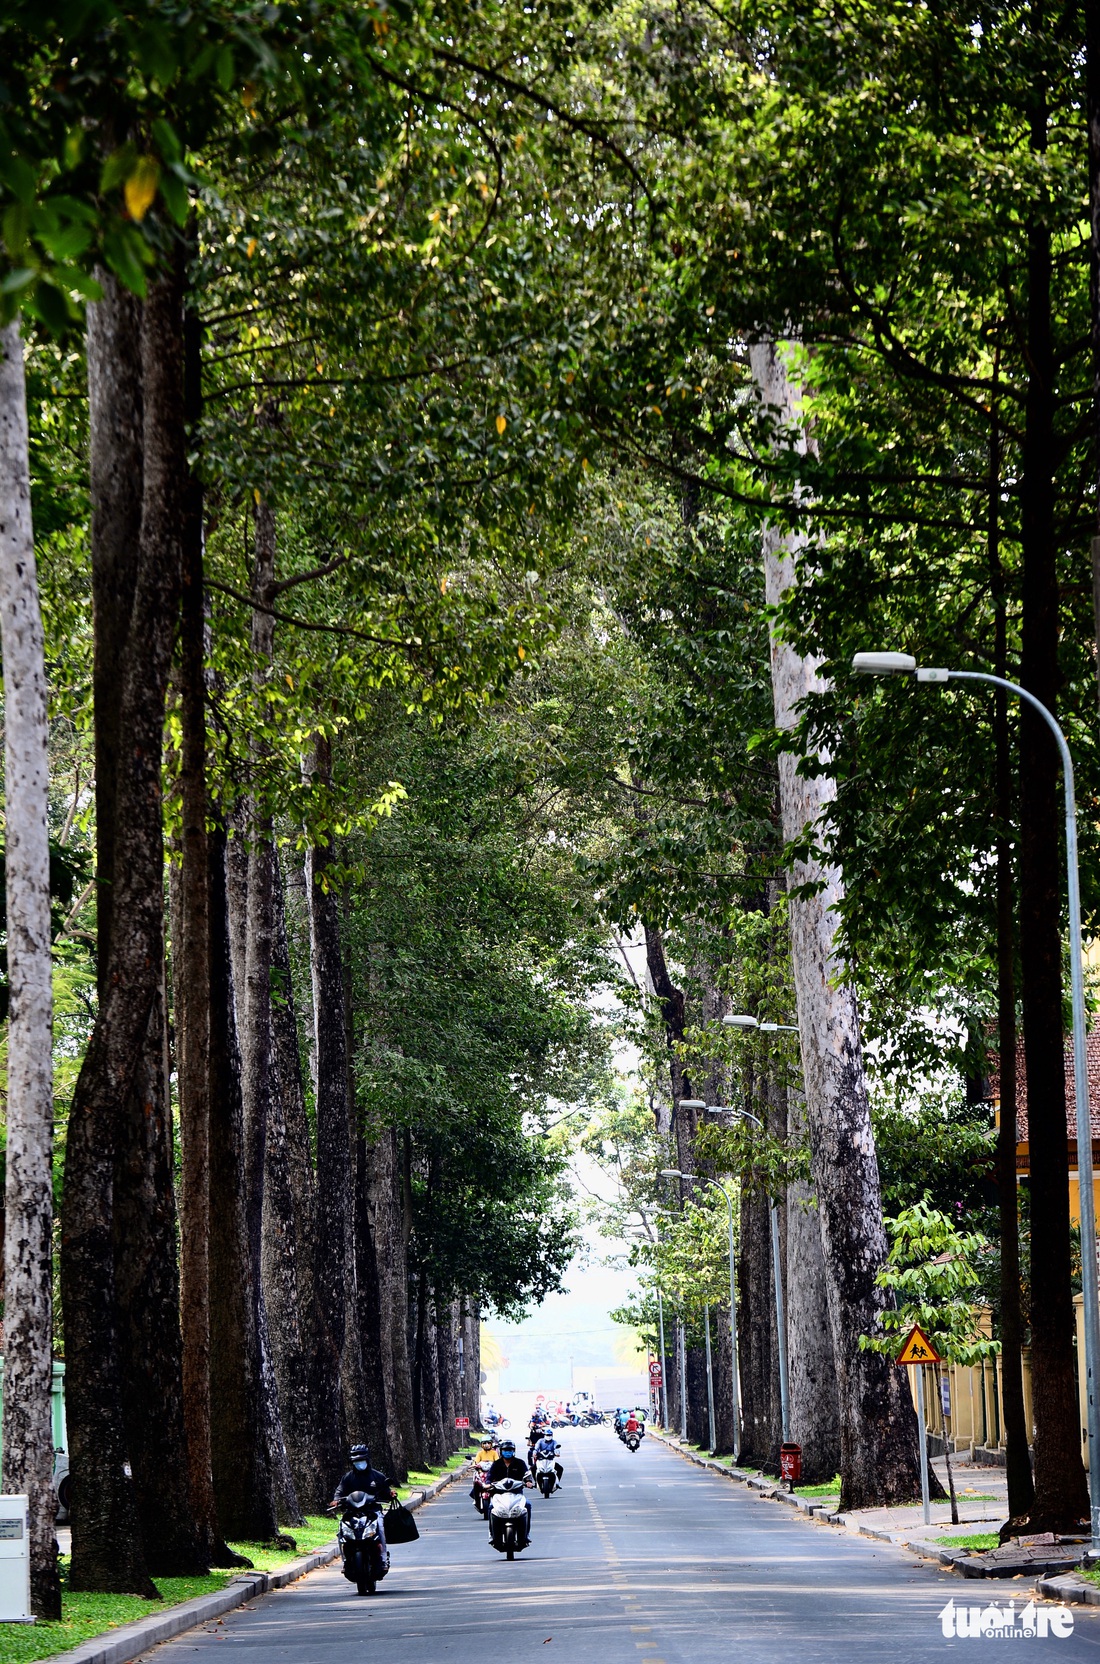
15 1562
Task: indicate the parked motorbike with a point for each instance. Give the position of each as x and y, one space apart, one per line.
365 1562
508 1517
546 1475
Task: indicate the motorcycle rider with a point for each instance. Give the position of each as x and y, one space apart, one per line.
483 1461
538 1426
361 1476
510 1466
548 1446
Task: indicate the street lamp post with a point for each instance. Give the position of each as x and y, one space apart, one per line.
735 1394
777 1270
710 1382
664 1373
683 1378
903 664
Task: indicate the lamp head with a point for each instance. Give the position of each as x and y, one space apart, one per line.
742 1021
884 664
692 1103
671 1173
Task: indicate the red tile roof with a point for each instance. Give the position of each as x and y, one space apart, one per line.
1093 1053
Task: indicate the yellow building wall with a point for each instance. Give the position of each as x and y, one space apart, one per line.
1075 1197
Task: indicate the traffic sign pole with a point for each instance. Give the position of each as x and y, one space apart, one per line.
922 1439
918 1353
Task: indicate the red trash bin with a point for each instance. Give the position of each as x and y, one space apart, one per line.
790 1464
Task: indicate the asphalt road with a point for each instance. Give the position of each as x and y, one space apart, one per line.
638 1560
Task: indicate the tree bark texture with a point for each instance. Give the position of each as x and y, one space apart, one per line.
190 909
28 1190
1092 110
290 1206
147 1287
369 1310
1061 1491
388 1231
671 1001
265 1152
107 1550
243 1478
147 1275
878 1425
335 1259
756 1341
472 1356
815 1412
426 1388
1021 1490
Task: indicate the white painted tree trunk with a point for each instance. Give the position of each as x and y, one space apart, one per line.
878 1453
28 1308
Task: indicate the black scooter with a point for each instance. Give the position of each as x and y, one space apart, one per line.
365 1561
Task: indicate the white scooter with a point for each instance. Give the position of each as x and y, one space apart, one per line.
508 1516
546 1474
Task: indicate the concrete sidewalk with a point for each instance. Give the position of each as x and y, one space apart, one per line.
982 1495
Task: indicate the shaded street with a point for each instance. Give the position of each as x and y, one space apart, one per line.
639 1560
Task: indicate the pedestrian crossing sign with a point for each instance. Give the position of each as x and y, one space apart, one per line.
918 1349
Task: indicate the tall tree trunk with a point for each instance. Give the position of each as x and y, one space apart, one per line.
28 1188
426 1377
367 1276
282 1251
243 1477
472 1355
107 1550
263 1124
189 889
335 1275
815 1413
698 1418
756 1330
1061 1491
315 1451
144 1223
448 1319
672 1358
878 1455
1021 1490
380 1187
671 1001
147 1286
1092 108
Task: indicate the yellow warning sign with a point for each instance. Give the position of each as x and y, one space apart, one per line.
918 1349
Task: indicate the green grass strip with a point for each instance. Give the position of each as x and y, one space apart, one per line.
86 1615
979 1542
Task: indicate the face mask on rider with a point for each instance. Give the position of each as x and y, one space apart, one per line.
360 1467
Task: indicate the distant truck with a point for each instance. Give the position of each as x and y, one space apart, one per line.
612 1390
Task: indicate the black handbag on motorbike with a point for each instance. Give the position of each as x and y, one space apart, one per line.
399 1525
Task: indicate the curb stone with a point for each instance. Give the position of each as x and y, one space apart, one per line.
1064 1587
129 1641
1074 1590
